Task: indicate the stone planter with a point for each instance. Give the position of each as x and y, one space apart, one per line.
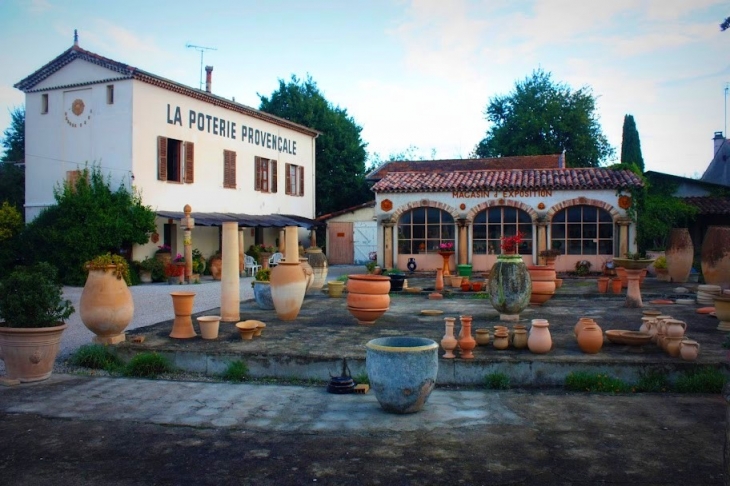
262 294
510 285
679 255
402 371
716 256
145 276
29 353
106 307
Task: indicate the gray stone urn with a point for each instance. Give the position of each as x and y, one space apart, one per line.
402 371
510 285
262 295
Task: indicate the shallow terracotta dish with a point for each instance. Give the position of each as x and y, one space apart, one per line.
631 338
662 302
413 290
705 310
431 312
651 312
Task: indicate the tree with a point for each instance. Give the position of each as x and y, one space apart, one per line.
88 219
630 144
12 175
542 117
340 152
725 24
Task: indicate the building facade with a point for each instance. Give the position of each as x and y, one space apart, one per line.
175 144
473 203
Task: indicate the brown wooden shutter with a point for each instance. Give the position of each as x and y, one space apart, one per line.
229 169
257 174
189 162
274 177
161 158
301 180
287 178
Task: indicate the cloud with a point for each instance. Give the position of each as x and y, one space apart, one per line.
38 7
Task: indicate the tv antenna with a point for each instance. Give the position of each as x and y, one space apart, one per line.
202 49
727 86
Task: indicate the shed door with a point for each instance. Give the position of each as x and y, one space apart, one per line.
366 233
339 244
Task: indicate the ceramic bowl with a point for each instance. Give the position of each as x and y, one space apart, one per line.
631 338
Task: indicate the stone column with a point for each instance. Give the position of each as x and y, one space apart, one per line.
291 250
388 243
188 223
282 242
623 236
462 258
541 239
230 283
240 252
312 238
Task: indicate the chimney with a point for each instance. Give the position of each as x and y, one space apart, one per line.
208 78
718 140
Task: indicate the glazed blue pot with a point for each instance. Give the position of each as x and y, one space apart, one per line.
402 371
510 285
262 295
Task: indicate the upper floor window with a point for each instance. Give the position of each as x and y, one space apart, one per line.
229 169
265 176
492 224
582 230
110 94
422 230
294 180
44 103
175 160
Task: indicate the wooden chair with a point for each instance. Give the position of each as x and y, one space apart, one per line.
251 265
275 258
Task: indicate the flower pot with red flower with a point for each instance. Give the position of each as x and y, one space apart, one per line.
510 285
446 249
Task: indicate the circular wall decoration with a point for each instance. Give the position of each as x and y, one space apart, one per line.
155 237
386 205
77 107
74 118
541 205
624 202
462 206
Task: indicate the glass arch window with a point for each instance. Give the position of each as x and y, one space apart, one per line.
494 223
421 230
582 230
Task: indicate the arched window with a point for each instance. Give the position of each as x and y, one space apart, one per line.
582 230
421 230
492 224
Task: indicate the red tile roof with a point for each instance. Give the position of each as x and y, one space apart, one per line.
351 209
518 179
494 163
28 84
709 204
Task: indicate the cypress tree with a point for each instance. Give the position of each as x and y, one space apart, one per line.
630 144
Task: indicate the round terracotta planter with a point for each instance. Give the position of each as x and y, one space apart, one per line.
679 255
209 326
320 267
582 322
368 284
368 301
106 307
288 286
540 272
716 256
367 297
29 353
366 316
590 339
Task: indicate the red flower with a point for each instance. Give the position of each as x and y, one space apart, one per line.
510 243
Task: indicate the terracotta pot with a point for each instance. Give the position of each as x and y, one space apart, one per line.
182 326
320 267
106 307
582 322
541 272
367 297
368 301
674 328
366 316
449 342
260 326
616 285
145 276
335 288
209 326
519 338
476 286
603 285
465 286
510 285
722 311
590 339
216 265
679 255
456 281
539 341
689 349
481 336
716 256
672 346
558 283
308 270
29 353
466 341
288 286
623 278
542 291
246 329
501 339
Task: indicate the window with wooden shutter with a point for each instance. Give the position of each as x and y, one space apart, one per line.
265 175
161 158
229 169
287 179
274 178
189 162
301 180
257 174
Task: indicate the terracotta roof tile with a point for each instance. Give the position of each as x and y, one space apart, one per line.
556 179
495 163
710 204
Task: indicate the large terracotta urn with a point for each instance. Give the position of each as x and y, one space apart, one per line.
367 297
679 255
106 307
510 285
29 353
716 256
318 261
216 266
288 286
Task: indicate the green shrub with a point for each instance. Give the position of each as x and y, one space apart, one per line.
96 357
497 381
594 382
236 371
147 365
362 378
703 380
32 297
652 381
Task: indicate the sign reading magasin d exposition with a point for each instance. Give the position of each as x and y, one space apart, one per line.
227 129
503 194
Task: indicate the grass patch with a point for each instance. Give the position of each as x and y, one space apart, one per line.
497 381
236 371
362 378
703 380
147 365
653 382
96 357
595 382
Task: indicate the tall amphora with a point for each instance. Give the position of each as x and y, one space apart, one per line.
716 256
679 254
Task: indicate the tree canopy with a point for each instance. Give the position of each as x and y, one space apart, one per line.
630 144
542 117
340 152
14 137
12 175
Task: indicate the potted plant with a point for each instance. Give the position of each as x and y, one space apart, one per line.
550 256
150 269
106 306
262 289
198 262
32 315
164 253
660 267
174 273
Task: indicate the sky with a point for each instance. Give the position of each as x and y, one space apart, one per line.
414 73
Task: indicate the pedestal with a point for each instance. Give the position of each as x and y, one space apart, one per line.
633 292
446 256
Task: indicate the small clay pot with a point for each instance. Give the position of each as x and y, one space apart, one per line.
689 349
590 339
481 336
246 329
501 339
519 338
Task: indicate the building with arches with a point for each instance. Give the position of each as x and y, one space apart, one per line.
584 213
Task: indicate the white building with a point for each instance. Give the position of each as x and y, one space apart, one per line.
177 145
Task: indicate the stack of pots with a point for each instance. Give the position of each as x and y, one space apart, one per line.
543 283
707 293
367 297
